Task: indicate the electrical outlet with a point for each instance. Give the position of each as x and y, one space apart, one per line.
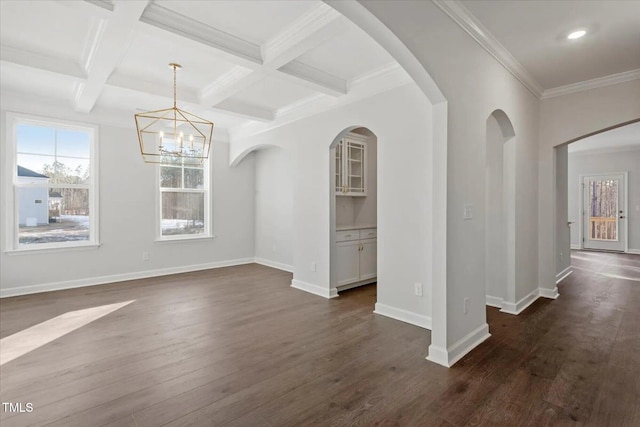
466 305
313 266
145 256
417 287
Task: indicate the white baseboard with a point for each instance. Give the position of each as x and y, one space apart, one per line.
563 274
403 315
274 264
549 293
633 251
521 305
576 247
493 301
449 356
314 289
101 280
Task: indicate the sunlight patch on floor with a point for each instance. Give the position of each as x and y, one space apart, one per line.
36 336
609 275
617 276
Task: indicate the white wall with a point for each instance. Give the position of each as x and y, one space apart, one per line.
475 85
595 163
274 207
563 119
496 228
562 229
400 119
127 220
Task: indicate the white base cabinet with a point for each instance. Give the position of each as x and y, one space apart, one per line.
356 258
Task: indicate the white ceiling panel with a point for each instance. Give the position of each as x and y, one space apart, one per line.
16 78
148 57
348 55
252 20
48 28
272 93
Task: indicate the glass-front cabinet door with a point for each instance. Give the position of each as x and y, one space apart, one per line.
351 166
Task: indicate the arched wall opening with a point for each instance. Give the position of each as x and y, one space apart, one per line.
563 221
500 213
427 255
353 206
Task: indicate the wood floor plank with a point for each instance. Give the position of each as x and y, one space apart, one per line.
238 346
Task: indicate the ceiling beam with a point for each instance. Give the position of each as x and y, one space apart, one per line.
237 50
313 78
230 83
309 31
89 7
190 98
246 111
105 49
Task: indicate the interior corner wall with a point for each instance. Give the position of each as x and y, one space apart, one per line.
566 118
585 163
563 262
127 200
474 85
274 207
401 120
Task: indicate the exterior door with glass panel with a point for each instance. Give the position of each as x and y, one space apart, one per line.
604 218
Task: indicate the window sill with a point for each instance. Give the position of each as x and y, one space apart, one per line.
36 251
184 239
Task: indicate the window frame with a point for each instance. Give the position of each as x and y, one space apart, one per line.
206 190
12 226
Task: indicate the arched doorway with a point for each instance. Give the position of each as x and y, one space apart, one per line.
571 222
500 226
353 209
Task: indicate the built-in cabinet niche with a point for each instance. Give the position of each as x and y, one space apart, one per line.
354 255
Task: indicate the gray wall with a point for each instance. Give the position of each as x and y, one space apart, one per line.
594 163
127 207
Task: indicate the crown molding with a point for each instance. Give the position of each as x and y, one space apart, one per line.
465 19
592 84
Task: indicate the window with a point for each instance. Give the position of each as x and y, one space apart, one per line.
184 200
53 179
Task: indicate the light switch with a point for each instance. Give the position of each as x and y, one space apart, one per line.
468 211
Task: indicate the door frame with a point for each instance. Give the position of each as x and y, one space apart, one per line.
625 194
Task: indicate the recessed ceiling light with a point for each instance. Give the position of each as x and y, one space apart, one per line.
576 34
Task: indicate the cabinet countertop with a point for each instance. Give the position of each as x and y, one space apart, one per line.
354 227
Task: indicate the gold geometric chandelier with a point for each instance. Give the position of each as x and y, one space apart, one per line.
172 135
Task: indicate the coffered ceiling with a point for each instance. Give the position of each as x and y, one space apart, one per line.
252 65
246 64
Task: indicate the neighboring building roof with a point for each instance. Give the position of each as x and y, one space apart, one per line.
55 195
28 172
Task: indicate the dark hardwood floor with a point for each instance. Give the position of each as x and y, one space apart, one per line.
237 346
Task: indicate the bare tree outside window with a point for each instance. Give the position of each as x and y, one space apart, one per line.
603 209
